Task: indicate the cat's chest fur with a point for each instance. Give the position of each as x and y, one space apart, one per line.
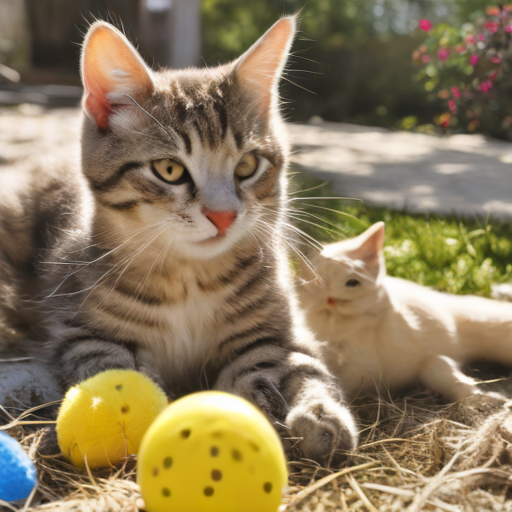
355 351
177 317
184 335
389 343
163 315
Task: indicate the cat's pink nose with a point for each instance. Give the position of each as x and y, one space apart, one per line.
330 301
221 220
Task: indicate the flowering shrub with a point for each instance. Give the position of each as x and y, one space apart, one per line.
469 67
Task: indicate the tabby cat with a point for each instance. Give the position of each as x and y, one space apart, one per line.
384 332
164 252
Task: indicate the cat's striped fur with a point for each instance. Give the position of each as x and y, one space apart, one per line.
111 267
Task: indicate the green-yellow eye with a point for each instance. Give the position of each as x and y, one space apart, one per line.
169 170
247 166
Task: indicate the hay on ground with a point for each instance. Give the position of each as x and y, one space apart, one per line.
415 454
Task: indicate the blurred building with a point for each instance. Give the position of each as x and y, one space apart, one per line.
46 34
170 31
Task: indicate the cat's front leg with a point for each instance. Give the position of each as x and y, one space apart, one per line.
80 356
442 375
299 396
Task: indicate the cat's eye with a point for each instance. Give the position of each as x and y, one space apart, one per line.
247 166
170 171
352 283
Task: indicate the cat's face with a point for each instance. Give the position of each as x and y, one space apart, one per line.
348 277
192 159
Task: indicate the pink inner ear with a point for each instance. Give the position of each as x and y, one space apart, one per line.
95 102
370 244
110 65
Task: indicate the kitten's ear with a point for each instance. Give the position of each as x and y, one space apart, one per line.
369 245
111 70
259 69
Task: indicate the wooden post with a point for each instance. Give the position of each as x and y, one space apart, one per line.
185 33
170 31
14 36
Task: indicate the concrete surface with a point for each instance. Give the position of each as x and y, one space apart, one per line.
463 174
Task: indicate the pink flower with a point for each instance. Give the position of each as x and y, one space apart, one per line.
474 60
508 29
470 39
480 37
460 48
485 86
455 92
425 25
425 58
496 59
492 76
452 107
442 53
491 26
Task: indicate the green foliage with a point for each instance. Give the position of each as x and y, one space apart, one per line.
353 55
462 256
468 67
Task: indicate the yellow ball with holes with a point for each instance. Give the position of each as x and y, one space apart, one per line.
211 452
102 419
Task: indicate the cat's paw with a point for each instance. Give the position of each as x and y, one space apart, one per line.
324 432
48 444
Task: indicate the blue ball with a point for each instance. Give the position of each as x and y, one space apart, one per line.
17 471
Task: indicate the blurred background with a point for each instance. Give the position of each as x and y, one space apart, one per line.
352 60
391 104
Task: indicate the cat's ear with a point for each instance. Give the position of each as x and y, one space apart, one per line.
369 245
259 69
111 70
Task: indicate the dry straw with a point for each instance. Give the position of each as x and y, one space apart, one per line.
415 454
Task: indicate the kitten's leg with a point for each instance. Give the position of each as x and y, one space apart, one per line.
81 356
441 374
298 394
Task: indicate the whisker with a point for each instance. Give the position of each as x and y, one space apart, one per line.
343 214
299 253
151 116
129 262
104 255
320 198
162 251
299 214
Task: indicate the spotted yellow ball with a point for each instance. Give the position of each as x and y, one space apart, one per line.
211 452
104 418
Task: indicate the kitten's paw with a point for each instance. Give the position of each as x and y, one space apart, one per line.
324 433
48 445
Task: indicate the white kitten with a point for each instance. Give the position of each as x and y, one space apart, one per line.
387 332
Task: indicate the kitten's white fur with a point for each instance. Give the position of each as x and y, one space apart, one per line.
388 332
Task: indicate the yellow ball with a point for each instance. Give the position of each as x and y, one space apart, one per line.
104 418
211 452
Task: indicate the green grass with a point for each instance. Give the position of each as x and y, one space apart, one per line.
456 255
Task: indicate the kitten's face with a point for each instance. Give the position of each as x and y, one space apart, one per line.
192 158
349 276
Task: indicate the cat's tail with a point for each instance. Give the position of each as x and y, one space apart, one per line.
484 329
